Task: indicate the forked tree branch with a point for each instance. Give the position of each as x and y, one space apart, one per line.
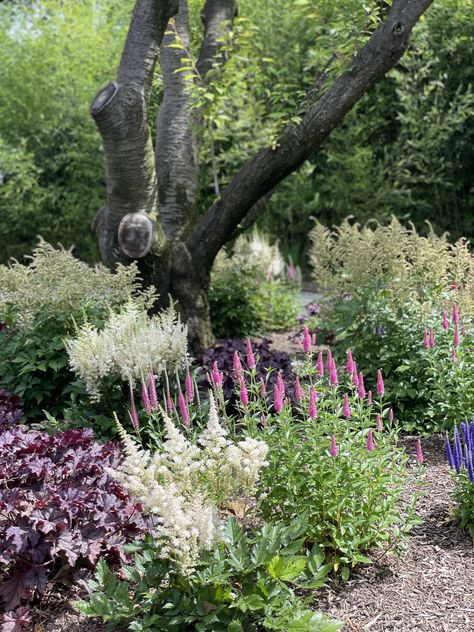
217 16
270 166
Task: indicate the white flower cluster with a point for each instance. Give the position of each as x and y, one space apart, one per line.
185 484
253 252
130 345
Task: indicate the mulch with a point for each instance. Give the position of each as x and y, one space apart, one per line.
428 588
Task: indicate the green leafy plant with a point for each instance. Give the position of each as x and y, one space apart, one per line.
246 584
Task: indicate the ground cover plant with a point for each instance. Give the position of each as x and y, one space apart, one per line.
60 511
383 286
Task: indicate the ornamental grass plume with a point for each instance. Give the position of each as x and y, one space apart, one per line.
333 450
306 340
419 452
320 364
380 383
183 409
313 409
360 386
251 363
346 409
370 445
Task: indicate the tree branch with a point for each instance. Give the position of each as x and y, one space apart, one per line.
270 166
217 16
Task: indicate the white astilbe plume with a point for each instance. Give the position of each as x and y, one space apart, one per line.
184 484
130 344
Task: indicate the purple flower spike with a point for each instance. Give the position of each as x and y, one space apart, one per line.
419 452
346 409
370 441
237 364
350 363
298 391
469 464
432 338
145 399
449 453
189 386
445 320
390 415
277 399
281 385
457 451
216 375
456 335
361 387
320 364
369 398
183 409
306 340
152 391
378 422
329 361
455 314
466 433
380 383
313 409
244 396
333 379
263 387
333 450
250 356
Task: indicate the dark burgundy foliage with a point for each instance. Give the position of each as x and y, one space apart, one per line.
59 511
10 409
269 363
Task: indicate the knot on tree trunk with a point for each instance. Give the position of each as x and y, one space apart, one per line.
136 233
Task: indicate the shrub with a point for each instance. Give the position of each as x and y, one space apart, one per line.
59 510
43 303
250 292
460 456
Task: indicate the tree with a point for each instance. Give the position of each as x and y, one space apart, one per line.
151 212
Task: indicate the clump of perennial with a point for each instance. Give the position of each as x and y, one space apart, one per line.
185 484
129 346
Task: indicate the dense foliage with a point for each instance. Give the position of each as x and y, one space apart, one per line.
59 510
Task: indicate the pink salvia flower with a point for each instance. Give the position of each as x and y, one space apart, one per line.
369 398
145 398
277 399
281 385
183 409
390 414
263 387
244 396
455 313
346 409
426 340
152 391
350 363
380 384
320 364
419 452
333 450
432 338
445 320
216 375
237 364
306 340
361 387
378 422
298 391
456 335
313 410
250 356
370 441
189 386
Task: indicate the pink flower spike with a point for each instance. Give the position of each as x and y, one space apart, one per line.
378 422
346 409
455 314
320 364
145 399
350 363
370 441
369 398
426 340
263 387
216 375
237 364
306 340
380 384
390 414
333 450
456 335
445 320
134 417
313 409
432 338
183 409
329 361
281 385
189 386
454 355
333 379
361 387
355 378
419 452
277 399
244 396
250 356
298 391
152 391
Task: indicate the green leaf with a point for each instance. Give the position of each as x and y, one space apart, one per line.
286 569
